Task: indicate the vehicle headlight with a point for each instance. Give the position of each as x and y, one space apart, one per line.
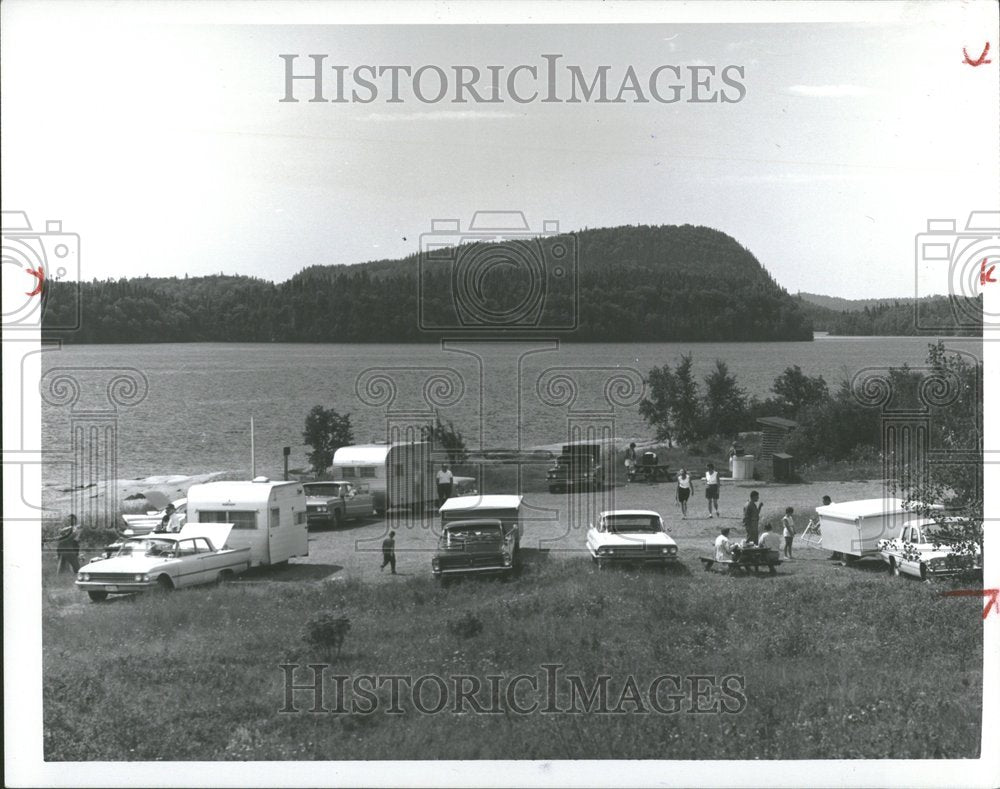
610 550
84 576
671 549
506 557
145 578
321 508
435 564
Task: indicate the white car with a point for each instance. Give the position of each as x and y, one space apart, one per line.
921 551
165 562
630 536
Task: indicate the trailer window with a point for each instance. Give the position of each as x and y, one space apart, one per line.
241 519
368 471
347 472
275 517
300 518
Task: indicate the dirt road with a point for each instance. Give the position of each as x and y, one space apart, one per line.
557 525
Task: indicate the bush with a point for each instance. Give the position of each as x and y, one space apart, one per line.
327 631
466 626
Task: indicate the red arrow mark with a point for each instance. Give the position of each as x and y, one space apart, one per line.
40 275
982 58
992 605
984 274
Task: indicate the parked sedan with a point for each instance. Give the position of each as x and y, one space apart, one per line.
165 562
630 536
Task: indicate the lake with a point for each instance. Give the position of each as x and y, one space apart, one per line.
195 415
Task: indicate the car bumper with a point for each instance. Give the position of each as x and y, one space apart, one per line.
497 568
618 558
122 588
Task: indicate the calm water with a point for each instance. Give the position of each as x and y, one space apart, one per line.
195 416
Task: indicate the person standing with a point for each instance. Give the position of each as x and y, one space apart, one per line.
389 552
788 531
630 459
712 489
445 480
751 516
685 486
68 546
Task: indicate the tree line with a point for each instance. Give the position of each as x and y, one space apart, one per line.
624 284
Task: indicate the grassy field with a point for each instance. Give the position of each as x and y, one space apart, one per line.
836 662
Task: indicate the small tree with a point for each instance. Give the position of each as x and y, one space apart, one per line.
796 390
326 431
955 482
673 406
725 402
447 438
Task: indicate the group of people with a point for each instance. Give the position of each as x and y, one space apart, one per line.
685 489
768 539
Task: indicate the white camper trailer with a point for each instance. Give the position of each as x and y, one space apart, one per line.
853 528
268 517
398 475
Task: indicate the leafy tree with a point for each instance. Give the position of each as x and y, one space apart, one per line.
673 406
955 481
796 390
726 403
446 437
326 431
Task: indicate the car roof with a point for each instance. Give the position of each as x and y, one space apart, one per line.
649 513
488 502
477 522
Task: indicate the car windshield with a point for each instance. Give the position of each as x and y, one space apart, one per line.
934 533
146 547
473 533
322 490
632 524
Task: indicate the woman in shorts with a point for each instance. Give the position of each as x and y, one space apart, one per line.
685 487
712 489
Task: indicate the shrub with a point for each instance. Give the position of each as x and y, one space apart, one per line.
466 626
327 631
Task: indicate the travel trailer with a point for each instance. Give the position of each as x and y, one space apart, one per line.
398 475
268 517
854 528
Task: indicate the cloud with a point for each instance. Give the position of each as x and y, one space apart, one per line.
440 115
829 90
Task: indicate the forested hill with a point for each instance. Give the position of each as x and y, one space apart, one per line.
631 283
931 315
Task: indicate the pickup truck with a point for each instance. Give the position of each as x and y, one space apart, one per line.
165 562
335 502
921 551
479 534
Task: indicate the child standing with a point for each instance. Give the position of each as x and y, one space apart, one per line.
788 530
712 489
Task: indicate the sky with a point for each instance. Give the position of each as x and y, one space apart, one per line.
162 141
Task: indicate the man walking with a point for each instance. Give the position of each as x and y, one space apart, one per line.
445 479
751 516
389 552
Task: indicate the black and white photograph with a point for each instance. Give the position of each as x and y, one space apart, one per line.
479 394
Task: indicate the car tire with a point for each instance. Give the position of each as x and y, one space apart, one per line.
894 568
923 572
97 596
224 578
338 519
602 564
164 584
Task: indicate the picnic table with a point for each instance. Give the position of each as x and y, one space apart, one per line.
650 472
745 560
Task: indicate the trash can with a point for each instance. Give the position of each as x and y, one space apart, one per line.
742 466
783 467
